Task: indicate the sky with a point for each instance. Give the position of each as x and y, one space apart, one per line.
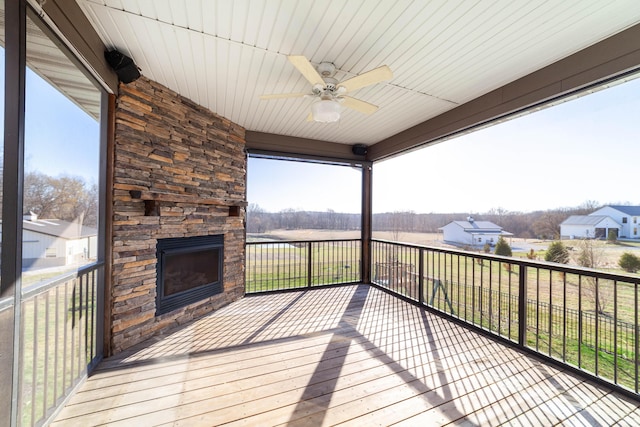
586 149
54 128
275 185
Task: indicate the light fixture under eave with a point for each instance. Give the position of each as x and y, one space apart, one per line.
325 111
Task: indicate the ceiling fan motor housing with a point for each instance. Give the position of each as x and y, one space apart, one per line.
326 69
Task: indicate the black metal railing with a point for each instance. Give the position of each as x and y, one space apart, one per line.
584 318
59 340
281 265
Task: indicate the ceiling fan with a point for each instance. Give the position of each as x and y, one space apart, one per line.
330 92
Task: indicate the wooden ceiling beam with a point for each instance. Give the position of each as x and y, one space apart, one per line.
291 145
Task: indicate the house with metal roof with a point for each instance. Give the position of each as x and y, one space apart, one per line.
588 227
627 216
55 243
622 219
472 232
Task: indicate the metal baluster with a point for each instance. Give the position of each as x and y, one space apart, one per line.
550 326
56 344
84 281
421 276
637 333
615 331
309 264
473 290
66 337
45 382
34 363
509 308
564 317
537 309
522 308
580 324
466 284
459 286
490 296
500 296
597 302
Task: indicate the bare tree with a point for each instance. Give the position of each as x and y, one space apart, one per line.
332 220
401 221
88 203
39 194
548 225
65 197
591 255
256 219
587 207
499 212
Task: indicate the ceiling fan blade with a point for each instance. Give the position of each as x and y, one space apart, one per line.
356 104
369 78
283 95
306 69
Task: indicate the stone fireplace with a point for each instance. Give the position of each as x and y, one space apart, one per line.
179 177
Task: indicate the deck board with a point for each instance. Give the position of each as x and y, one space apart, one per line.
350 355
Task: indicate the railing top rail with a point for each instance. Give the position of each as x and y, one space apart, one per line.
290 242
6 303
38 288
545 265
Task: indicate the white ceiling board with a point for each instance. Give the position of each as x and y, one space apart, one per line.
224 54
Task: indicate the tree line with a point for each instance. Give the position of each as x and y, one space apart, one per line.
64 197
538 224
261 221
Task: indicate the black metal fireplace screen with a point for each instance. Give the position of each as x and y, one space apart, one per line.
189 269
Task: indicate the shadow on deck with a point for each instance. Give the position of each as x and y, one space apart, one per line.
353 354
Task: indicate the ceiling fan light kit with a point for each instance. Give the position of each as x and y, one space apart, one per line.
331 92
325 111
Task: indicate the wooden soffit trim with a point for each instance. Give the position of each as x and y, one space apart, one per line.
76 28
269 142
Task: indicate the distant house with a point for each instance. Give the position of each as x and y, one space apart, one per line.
53 242
473 233
588 227
621 220
627 216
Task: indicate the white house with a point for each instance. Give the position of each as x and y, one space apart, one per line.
588 227
473 233
627 216
54 242
623 220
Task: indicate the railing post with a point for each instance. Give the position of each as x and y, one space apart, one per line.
309 264
366 218
421 276
522 306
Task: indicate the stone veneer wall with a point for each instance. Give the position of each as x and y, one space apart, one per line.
165 143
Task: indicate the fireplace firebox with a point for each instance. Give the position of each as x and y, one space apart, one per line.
189 269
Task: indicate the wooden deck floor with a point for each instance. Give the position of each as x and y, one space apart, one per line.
350 355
